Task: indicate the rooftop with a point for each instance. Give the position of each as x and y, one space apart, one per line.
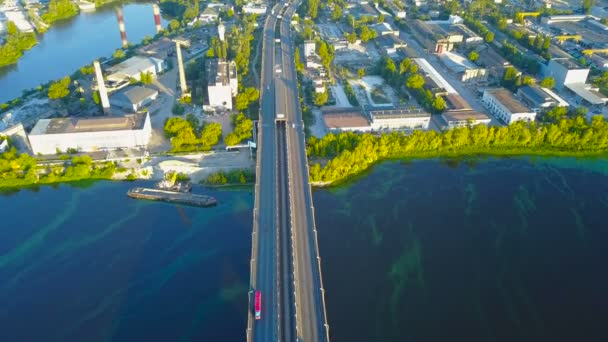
434 74
134 66
568 63
398 113
220 72
506 98
465 116
336 119
589 94
457 102
535 93
136 94
94 124
457 62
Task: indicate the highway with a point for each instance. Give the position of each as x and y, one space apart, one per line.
265 238
285 262
311 324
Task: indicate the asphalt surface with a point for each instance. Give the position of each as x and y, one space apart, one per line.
265 264
310 313
285 261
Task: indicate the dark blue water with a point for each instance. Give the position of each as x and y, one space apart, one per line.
73 43
495 250
501 250
90 264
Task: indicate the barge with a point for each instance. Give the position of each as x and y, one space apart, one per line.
172 197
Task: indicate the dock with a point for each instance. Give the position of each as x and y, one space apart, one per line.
172 197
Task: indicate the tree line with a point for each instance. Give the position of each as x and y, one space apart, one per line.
188 135
350 153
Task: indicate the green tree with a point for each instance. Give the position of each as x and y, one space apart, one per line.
336 14
473 56
320 99
404 66
415 81
587 5
361 72
11 28
59 10
489 37
119 53
96 98
439 104
528 80
548 82
174 25
59 89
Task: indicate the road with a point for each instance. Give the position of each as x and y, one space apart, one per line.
309 294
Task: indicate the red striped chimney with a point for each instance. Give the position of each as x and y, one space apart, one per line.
121 27
156 11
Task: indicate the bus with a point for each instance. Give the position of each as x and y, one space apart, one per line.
258 305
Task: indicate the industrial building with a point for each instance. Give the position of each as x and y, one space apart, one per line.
160 49
538 98
493 62
345 119
432 76
133 67
222 82
384 29
400 118
502 104
467 71
133 99
255 8
209 15
90 134
440 36
459 113
390 44
566 71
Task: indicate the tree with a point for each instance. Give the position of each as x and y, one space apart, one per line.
380 18
96 98
320 98
587 5
453 6
146 77
119 53
473 56
59 10
211 134
415 81
336 14
489 37
174 25
59 89
361 72
404 66
548 82
528 80
11 28
351 37
439 104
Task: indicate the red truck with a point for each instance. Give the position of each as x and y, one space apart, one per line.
258 305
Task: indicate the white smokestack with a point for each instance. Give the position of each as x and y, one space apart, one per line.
180 63
101 86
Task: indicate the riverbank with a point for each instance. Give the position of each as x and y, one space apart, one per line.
453 157
339 157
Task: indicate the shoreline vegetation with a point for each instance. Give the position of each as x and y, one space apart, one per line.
335 159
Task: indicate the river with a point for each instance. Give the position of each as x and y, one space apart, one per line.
487 250
73 43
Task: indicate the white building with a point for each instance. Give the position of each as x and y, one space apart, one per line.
222 82
3 145
209 15
133 99
90 134
566 71
394 119
345 119
252 8
19 18
466 70
134 67
309 48
502 104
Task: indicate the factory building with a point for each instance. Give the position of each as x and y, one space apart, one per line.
222 83
133 67
459 113
502 104
134 99
566 71
345 119
90 134
538 98
400 118
467 71
440 36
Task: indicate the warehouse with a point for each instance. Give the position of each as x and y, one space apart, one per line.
133 67
133 99
401 118
506 107
90 134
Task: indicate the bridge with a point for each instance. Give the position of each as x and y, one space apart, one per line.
285 261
